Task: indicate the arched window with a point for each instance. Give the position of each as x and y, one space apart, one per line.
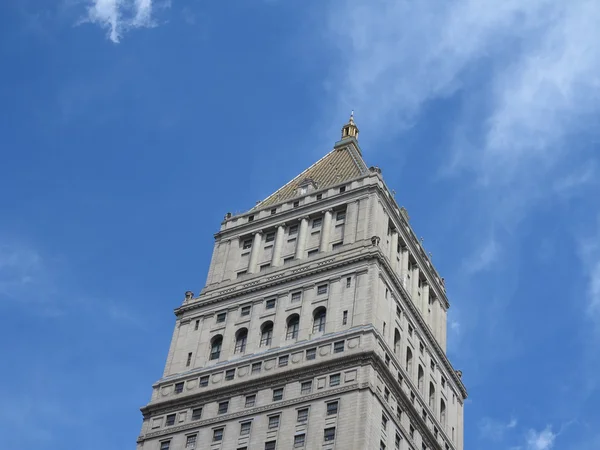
432 396
420 378
397 342
215 347
443 413
241 338
319 316
409 360
293 326
266 334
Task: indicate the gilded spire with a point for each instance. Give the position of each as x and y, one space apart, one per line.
350 129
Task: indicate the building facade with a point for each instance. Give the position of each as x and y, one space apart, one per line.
322 325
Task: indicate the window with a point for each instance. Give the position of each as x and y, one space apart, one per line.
221 317
337 245
410 330
170 420
245 428
270 445
283 360
329 434
247 244
266 334
306 387
190 441
319 196
302 415
322 289
178 388
342 189
386 394
398 312
299 440
251 218
240 273
196 413
397 339
215 347
381 445
273 211
256 367
340 216
270 304
432 396
420 375
311 353
196 325
443 383
229 374
345 318
293 326
288 260
223 407
348 282
397 441
398 413
319 316
265 267
332 408
408 360
432 365
312 252
296 203
277 394
204 381
387 359
165 445
250 401
338 347
189 360
218 434
384 421
270 237
296 296
334 379
293 230
273 422
411 432
245 311
316 223
421 347
443 413
241 338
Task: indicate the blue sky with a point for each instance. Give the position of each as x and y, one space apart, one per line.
129 128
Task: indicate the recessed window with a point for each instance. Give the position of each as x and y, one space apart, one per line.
190 441
223 407
188 362
266 334
204 381
338 347
384 421
410 330
381 445
337 245
348 282
270 304
421 347
329 434
319 320
293 327
251 218
247 244
250 401
196 325
245 311
288 260
345 318
296 296
256 367
342 189
386 394
332 408
196 413
302 415
296 203
245 428
340 216
221 317
334 379
311 353
322 289
273 422
241 272
443 383
178 388
411 432
398 312
229 374
170 420
306 387
218 434
319 196
277 394
165 445
432 365
293 230
299 440
270 237
265 267
273 211
316 223
215 348
283 361
313 252
270 445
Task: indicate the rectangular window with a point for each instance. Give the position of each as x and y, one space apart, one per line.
251 218
283 360
196 325
332 408
296 296
334 379
345 318
443 383
398 413
411 432
178 388
410 330
329 434
250 401
265 267
348 282
245 428
311 353
240 273
299 440
273 211
190 441
273 422
170 420
256 367
312 252
384 421
218 434
432 365
386 394
397 441
322 289
221 317
340 216
306 387
204 381
342 189
247 244
277 394
165 445
270 445
302 415
337 245
296 203
270 237
319 196
229 374
245 311
196 413
338 347
316 223
223 407
381 445
293 230
421 347
189 360
270 304
288 260
398 312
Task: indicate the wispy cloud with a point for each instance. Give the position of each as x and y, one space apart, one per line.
541 440
118 16
590 256
495 430
483 257
20 266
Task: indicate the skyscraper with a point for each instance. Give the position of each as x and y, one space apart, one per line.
322 325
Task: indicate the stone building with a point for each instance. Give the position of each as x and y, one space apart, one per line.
322 325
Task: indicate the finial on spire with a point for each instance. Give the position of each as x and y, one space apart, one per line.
350 129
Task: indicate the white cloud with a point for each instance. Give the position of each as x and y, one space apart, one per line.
542 440
119 16
495 430
590 256
483 257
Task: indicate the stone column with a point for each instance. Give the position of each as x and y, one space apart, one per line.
326 231
254 252
404 255
350 223
301 242
229 264
435 304
425 306
394 250
279 236
414 289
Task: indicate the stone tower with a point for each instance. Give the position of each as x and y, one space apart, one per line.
322 325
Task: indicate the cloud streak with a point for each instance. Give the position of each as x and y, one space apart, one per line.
118 16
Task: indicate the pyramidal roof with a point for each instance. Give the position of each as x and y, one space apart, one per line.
342 164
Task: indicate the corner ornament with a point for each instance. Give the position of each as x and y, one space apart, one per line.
375 241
